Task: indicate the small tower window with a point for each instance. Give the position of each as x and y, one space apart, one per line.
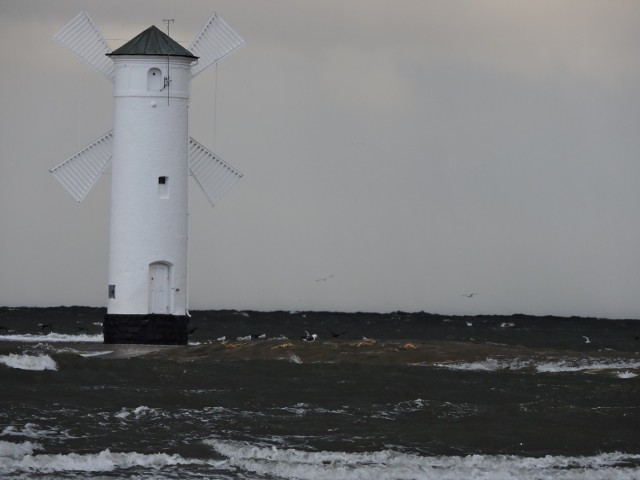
154 80
163 187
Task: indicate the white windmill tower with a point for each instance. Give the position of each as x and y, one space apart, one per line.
152 157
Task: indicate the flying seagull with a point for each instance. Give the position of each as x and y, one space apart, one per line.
324 279
335 334
469 295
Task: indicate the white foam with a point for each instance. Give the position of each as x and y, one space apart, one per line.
295 358
105 461
626 374
140 412
553 366
53 338
9 450
577 366
28 362
386 464
95 354
32 430
298 409
489 365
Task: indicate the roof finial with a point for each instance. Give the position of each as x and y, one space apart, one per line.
168 21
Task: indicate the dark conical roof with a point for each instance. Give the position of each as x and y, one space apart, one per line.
152 42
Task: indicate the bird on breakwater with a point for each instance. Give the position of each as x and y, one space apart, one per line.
309 337
221 339
243 339
260 336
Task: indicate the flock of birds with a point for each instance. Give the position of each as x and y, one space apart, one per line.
307 337
312 337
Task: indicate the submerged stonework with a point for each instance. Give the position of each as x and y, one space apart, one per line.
146 329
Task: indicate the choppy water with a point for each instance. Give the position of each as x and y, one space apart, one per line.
427 397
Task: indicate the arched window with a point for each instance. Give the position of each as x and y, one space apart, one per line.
154 80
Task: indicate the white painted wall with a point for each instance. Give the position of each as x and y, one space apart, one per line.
150 141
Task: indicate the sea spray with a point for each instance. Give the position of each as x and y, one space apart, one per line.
28 362
10 450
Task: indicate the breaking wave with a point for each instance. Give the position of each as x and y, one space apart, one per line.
9 450
555 366
52 338
20 458
387 464
28 362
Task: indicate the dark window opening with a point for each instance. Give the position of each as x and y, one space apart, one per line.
112 291
163 187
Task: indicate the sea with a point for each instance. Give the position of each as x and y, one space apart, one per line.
397 395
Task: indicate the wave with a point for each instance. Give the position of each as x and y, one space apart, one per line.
28 362
247 460
140 412
554 366
31 430
94 354
10 450
387 464
20 457
53 338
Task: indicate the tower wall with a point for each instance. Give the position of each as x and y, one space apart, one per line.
149 198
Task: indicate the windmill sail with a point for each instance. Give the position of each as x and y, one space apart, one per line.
214 176
84 40
216 40
80 172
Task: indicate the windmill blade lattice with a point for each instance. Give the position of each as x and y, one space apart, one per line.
216 40
84 40
214 176
80 172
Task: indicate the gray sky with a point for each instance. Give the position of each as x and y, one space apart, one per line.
415 150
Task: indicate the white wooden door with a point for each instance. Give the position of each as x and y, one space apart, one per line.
159 288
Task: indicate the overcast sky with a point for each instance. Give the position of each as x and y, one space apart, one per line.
411 151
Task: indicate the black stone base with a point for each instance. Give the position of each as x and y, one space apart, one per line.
145 329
